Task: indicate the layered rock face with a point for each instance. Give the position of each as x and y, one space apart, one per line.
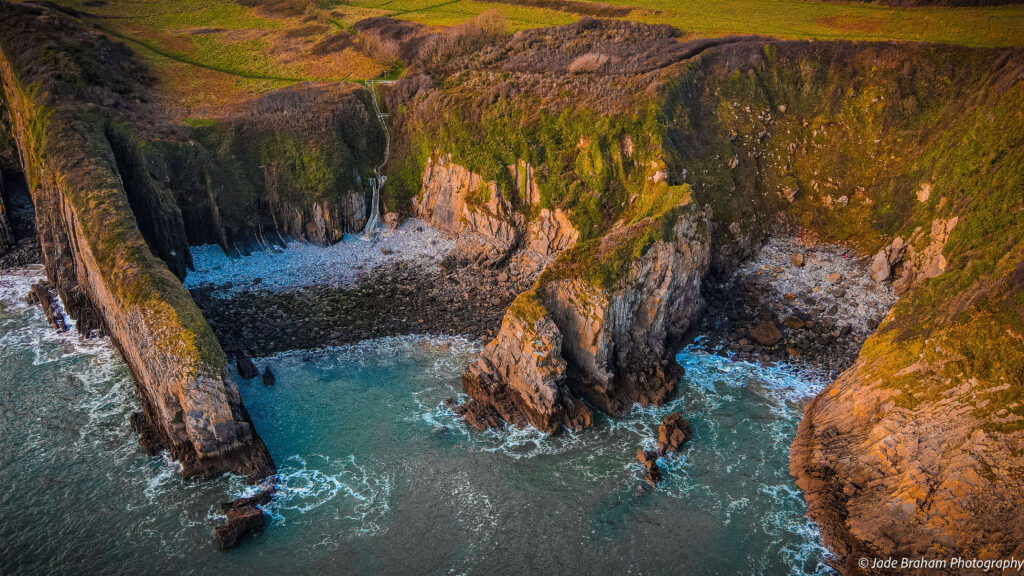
617 342
462 204
620 341
520 377
885 480
100 263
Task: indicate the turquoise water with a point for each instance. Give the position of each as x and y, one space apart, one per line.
378 477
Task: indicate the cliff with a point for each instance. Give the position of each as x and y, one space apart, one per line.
94 251
910 154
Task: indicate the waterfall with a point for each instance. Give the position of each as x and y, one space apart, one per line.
373 222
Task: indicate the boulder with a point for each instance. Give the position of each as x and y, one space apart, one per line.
766 334
673 433
268 377
246 368
797 259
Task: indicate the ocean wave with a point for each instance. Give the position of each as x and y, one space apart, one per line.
357 492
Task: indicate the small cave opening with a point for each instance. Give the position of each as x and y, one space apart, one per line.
21 213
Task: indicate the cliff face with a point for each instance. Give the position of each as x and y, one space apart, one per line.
621 338
910 154
96 255
296 162
915 450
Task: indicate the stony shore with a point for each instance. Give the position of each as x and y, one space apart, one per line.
811 305
403 298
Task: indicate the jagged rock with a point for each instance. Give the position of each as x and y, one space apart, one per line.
886 258
43 295
462 204
241 520
619 340
649 460
794 323
673 432
766 334
835 278
268 377
520 376
901 263
551 233
246 368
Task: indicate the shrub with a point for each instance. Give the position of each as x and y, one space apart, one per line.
588 63
459 40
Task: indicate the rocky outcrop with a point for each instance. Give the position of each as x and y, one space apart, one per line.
243 516
883 479
905 266
462 204
617 341
43 296
520 377
99 262
673 432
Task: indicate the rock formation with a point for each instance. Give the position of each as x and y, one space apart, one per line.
520 377
243 517
673 432
463 204
100 264
904 265
616 341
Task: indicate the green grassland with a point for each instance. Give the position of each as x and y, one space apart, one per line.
789 19
211 54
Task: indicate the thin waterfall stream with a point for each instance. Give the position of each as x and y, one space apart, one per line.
373 221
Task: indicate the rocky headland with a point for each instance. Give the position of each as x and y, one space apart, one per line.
606 191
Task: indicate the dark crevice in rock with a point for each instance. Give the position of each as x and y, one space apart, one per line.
156 212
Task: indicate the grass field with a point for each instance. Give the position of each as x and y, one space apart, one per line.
212 53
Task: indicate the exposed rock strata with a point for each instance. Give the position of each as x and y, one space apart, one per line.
883 480
463 204
103 270
617 342
521 374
